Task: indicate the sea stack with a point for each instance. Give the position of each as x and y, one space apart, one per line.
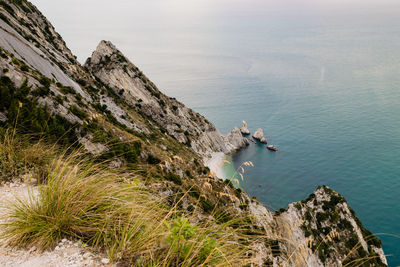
244 129
235 140
259 135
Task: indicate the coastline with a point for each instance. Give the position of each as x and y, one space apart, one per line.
215 163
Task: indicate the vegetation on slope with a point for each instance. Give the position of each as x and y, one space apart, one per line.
28 116
112 211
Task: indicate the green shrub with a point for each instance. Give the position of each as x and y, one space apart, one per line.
308 216
41 91
81 82
6 20
24 67
344 224
153 159
238 192
29 117
129 151
321 216
181 232
194 192
45 81
188 174
352 241
173 178
67 90
206 204
59 100
78 112
206 170
15 61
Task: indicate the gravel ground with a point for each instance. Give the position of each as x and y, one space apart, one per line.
66 253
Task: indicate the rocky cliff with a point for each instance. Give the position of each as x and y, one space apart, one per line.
325 231
116 113
113 69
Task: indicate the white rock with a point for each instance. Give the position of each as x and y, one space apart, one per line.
259 135
244 129
235 140
105 261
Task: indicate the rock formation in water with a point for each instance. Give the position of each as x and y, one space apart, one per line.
235 140
259 135
244 129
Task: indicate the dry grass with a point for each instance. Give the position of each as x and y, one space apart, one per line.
110 212
19 155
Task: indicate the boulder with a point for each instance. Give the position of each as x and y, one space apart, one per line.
235 140
259 135
244 129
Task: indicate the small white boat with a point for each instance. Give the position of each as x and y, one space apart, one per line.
271 147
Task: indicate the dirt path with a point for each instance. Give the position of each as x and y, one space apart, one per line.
67 253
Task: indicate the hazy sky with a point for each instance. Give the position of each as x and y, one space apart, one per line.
141 24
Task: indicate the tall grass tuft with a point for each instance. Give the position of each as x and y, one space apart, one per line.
112 212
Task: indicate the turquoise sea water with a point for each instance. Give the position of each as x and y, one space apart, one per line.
322 78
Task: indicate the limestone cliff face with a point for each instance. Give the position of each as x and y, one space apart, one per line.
112 100
113 69
328 232
26 33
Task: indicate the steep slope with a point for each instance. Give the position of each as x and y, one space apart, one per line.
329 229
113 69
117 114
29 36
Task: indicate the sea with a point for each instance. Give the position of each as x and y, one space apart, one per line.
321 78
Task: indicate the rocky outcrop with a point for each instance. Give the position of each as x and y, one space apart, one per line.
244 129
328 231
259 135
235 140
114 70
